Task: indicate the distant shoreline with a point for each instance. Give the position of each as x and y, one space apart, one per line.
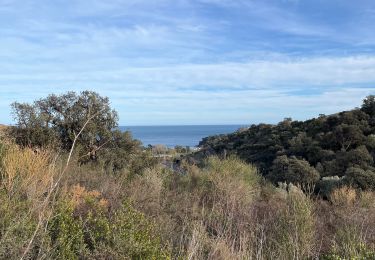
122 126
182 135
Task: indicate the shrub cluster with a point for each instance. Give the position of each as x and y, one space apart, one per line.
73 221
222 210
342 144
119 203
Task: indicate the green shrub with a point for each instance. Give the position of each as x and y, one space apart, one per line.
59 117
327 184
82 229
351 250
360 178
67 233
232 168
293 170
134 236
16 228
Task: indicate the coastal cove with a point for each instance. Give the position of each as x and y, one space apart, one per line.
183 135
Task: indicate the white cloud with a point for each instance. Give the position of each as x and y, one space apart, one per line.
252 92
202 61
330 72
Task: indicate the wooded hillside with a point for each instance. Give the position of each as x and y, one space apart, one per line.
308 152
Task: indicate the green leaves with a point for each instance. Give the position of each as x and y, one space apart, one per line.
293 170
127 234
59 118
290 150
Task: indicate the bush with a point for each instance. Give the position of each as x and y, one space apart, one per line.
16 227
293 170
294 228
326 185
134 237
83 228
343 197
66 233
349 245
360 178
26 172
230 169
61 117
221 210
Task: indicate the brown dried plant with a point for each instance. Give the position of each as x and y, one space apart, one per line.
27 172
344 196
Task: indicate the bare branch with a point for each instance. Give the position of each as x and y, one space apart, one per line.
46 200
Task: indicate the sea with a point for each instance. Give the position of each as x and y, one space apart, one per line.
184 135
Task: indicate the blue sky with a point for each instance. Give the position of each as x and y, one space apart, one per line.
191 61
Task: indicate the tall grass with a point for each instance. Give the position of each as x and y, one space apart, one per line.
294 229
27 172
40 220
221 210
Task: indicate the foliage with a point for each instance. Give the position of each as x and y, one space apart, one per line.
326 185
350 247
123 205
295 227
360 178
26 172
133 235
54 122
79 222
343 196
293 170
286 152
182 149
16 225
83 227
368 105
66 233
60 117
222 210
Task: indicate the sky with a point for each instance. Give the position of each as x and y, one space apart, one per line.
174 62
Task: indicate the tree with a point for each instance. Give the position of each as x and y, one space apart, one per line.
348 135
293 170
358 177
58 119
334 142
30 129
368 105
356 157
120 152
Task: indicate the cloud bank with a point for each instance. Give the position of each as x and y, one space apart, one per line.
191 62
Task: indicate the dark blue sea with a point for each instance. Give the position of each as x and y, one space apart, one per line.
171 136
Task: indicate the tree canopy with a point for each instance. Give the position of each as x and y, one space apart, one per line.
295 151
60 117
57 119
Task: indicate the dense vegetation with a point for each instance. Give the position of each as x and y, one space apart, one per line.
311 152
56 206
57 120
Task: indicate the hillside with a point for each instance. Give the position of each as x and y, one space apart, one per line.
99 194
342 144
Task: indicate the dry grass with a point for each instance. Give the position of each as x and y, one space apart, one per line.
220 211
344 196
80 196
367 199
3 131
146 191
3 128
27 172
